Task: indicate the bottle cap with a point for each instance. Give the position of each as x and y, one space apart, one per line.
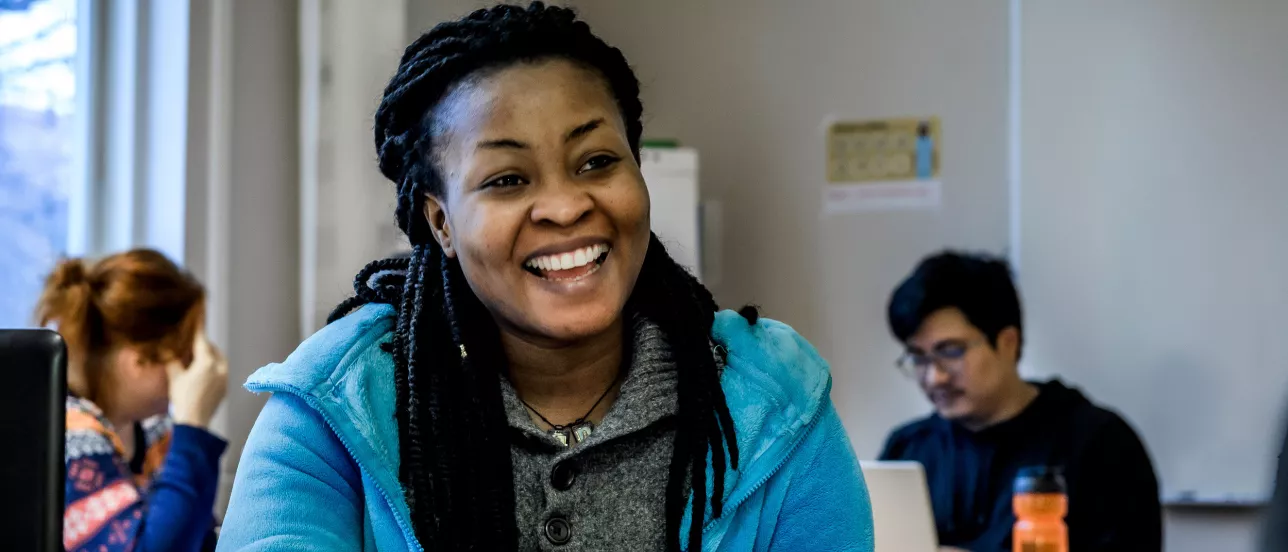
1040 480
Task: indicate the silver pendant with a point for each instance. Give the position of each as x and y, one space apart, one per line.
572 434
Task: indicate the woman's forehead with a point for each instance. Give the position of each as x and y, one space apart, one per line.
525 101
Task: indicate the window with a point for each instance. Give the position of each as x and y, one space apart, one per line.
38 146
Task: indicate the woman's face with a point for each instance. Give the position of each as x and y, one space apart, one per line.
544 205
141 388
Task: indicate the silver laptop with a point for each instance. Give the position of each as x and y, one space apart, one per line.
901 510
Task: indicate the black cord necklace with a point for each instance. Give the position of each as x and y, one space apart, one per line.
577 430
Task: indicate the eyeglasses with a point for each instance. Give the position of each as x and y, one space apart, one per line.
947 355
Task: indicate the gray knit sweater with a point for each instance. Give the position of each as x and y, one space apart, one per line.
607 493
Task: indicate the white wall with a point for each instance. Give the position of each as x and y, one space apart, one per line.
1153 224
263 204
243 184
349 50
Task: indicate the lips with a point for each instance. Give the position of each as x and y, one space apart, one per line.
944 397
571 264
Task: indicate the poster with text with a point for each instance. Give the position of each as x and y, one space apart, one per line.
882 164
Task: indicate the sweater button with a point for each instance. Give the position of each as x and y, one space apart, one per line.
558 531
563 476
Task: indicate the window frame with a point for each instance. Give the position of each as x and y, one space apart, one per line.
132 96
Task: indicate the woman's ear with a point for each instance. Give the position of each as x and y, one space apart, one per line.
436 215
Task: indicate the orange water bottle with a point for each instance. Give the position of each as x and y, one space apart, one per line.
1040 505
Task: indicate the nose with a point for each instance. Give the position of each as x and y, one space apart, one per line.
562 203
936 375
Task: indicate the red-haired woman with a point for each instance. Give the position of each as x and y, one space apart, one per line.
137 478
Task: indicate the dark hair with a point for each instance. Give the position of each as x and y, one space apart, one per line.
978 285
137 298
454 448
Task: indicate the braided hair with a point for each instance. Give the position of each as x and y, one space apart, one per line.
454 450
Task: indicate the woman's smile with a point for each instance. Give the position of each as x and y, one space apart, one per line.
569 267
568 263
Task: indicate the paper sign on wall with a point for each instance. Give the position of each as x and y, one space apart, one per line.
885 164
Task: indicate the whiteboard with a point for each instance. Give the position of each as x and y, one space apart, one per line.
1154 227
672 179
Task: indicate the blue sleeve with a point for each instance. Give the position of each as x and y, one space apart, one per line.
182 497
296 486
826 507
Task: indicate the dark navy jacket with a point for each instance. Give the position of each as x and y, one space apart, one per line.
1113 493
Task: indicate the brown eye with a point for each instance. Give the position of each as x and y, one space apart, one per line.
598 162
507 181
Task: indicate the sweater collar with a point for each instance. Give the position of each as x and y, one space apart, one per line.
647 395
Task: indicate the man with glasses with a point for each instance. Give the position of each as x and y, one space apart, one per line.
959 319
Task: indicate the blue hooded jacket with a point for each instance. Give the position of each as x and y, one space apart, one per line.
320 468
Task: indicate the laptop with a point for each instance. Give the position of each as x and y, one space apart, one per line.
901 512
32 418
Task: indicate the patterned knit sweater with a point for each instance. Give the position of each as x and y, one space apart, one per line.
161 498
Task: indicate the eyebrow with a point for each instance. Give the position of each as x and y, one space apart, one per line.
910 348
583 130
504 143
510 143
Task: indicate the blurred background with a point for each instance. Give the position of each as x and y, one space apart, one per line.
1130 158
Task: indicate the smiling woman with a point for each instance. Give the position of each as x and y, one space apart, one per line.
539 372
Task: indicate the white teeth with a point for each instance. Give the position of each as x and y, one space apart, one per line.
569 260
